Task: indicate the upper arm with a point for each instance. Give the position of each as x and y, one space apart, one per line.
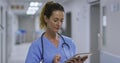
73 47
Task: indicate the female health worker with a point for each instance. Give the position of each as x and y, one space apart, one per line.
52 47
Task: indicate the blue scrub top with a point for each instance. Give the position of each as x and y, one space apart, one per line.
50 51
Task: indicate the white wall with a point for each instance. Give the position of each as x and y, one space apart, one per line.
8 34
3 34
80 23
111 49
112 30
12 27
0 34
3 1
37 27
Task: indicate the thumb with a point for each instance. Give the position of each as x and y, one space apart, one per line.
57 58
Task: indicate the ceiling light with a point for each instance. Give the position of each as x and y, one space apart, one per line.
30 12
35 4
33 8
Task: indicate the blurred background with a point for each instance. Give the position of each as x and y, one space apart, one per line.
93 24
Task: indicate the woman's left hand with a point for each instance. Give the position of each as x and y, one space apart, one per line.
77 59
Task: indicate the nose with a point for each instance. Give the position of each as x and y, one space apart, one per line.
59 23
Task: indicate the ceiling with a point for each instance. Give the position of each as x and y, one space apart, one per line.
19 7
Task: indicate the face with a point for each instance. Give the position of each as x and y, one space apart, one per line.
55 21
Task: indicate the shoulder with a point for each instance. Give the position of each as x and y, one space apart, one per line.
36 44
34 52
37 41
68 39
71 43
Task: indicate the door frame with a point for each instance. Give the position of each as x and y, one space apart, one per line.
94 32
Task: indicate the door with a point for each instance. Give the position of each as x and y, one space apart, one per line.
94 31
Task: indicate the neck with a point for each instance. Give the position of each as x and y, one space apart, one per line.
51 35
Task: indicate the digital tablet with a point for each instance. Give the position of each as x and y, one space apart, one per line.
82 54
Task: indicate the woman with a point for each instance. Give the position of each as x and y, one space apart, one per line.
52 47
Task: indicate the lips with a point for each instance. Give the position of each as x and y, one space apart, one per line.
57 28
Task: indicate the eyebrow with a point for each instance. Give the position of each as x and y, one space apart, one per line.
58 18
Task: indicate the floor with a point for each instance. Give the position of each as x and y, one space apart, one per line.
19 53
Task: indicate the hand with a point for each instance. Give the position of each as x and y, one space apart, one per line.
56 59
77 59
84 58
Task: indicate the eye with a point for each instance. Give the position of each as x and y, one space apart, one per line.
61 21
55 20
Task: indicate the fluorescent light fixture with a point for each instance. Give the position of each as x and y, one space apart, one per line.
33 8
35 4
30 12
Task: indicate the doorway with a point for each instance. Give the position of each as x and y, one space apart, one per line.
67 30
94 31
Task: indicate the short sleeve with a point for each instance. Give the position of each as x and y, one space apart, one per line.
71 43
34 54
73 47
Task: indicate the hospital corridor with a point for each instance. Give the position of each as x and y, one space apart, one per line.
18 53
92 24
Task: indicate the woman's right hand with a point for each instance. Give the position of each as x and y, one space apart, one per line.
57 59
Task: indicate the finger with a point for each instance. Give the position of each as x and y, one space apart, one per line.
57 57
72 60
84 58
79 59
68 62
76 58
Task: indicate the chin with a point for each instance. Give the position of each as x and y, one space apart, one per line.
56 31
